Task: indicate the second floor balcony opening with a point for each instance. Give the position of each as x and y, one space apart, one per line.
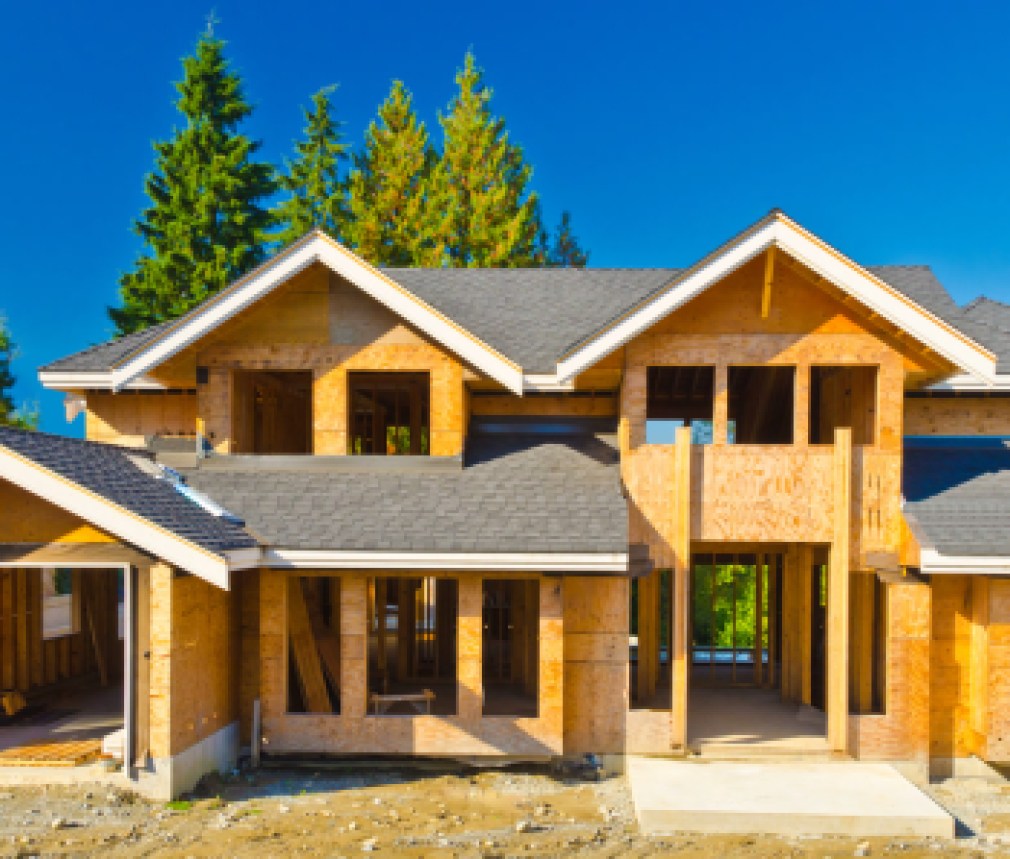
843 396
679 397
272 411
761 405
389 414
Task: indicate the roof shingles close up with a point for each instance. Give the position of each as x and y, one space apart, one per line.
112 473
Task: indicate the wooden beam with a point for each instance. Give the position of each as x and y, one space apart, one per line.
766 293
837 681
680 627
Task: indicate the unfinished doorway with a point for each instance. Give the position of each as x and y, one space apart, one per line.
272 412
511 622
61 665
412 645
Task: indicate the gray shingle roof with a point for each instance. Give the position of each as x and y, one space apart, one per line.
112 472
957 494
988 322
514 494
534 316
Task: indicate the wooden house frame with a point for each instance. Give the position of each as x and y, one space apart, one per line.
530 582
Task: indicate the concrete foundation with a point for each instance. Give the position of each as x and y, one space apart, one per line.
784 798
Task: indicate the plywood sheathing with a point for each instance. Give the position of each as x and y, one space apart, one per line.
319 322
193 664
38 521
596 665
902 731
128 418
997 672
355 732
957 415
766 493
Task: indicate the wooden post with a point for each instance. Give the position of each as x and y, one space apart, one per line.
804 623
380 585
837 681
680 627
720 405
773 595
861 680
648 643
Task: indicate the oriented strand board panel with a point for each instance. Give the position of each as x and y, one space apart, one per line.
354 731
591 404
193 665
128 418
998 672
903 731
320 323
957 416
38 521
596 665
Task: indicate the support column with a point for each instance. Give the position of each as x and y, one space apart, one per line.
837 681
648 635
470 664
353 645
720 405
681 586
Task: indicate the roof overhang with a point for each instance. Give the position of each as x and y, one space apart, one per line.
969 384
123 523
778 231
541 562
933 562
316 247
94 380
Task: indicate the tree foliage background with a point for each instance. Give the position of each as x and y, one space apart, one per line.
9 415
398 201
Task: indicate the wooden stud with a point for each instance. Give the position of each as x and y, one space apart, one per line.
766 292
303 649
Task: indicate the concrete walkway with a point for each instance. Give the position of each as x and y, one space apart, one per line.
781 797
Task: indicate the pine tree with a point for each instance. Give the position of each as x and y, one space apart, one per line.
391 223
205 225
478 187
318 197
9 416
566 251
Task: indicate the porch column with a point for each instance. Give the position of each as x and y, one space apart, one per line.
681 586
837 681
470 660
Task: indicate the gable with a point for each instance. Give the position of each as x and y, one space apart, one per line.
39 521
773 236
316 251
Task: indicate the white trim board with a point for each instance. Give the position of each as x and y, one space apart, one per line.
933 562
543 562
316 247
780 232
121 523
95 380
969 384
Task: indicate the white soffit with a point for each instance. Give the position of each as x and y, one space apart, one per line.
116 520
782 233
934 563
544 562
319 248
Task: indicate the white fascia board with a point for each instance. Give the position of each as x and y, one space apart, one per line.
934 563
546 383
338 259
873 293
887 303
97 380
112 518
542 562
244 559
970 384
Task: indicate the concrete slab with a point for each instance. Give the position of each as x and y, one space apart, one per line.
782 798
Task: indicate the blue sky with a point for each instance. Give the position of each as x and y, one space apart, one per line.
664 128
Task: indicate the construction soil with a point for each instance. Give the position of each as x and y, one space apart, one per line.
409 812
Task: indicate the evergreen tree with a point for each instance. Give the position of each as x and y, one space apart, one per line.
9 416
566 251
205 225
318 197
478 188
391 223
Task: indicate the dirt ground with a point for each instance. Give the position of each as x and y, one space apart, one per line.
401 812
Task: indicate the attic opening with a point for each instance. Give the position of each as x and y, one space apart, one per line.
843 396
389 414
761 404
272 411
679 397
